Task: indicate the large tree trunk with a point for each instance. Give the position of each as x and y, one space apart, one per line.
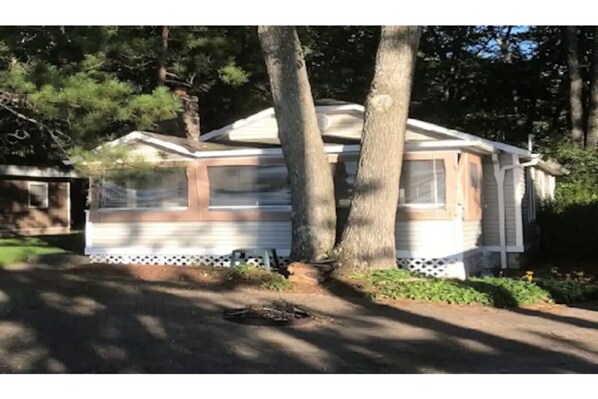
368 240
575 87
592 137
312 189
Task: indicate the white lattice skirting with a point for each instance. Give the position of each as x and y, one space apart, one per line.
436 267
178 260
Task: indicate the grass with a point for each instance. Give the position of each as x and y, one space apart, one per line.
497 292
258 276
14 250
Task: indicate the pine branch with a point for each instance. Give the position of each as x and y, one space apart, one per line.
59 138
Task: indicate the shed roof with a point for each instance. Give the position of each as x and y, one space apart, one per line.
35 171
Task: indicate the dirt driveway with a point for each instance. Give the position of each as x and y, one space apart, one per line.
59 321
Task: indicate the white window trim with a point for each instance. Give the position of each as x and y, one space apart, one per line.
414 205
250 207
148 209
46 203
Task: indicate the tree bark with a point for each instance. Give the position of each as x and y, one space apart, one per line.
368 240
310 176
575 87
165 32
592 137
191 116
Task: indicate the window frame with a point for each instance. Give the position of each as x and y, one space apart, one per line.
46 203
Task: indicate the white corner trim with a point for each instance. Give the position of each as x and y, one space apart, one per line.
517 176
68 203
88 231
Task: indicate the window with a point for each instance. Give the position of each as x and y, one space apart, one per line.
38 195
163 189
254 186
423 183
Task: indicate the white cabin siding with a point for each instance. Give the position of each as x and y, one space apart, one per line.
436 238
472 234
205 235
432 237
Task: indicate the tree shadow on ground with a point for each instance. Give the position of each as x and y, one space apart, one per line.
55 321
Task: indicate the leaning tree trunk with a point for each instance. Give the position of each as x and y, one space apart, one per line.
368 240
592 137
310 176
575 87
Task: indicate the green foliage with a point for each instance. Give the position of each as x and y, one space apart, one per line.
85 84
233 75
392 276
255 275
580 186
496 292
570 291
567 224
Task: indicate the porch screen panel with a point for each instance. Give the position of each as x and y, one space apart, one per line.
249 186
163 189
423 183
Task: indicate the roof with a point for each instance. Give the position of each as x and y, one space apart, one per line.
217 144
336 106
35 171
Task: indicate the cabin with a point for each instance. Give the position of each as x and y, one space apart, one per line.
466 203
35 200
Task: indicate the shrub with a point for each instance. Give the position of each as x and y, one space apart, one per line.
570 291
568 231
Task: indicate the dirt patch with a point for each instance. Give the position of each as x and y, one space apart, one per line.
189 275
174 274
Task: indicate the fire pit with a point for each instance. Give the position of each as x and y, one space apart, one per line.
276 314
